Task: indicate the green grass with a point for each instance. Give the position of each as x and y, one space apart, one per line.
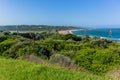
23 70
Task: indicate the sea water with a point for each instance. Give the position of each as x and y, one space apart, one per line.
113 34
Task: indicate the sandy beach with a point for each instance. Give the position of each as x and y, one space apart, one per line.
64 32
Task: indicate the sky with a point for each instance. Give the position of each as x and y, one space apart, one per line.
60 12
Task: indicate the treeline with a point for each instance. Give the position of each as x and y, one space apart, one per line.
94 54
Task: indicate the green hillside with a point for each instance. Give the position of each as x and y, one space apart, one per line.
94 55
23 70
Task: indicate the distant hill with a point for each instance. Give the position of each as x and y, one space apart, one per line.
37 27
1 27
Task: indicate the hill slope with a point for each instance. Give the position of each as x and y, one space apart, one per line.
23 70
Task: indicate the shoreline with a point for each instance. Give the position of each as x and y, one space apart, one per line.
70 31
64 32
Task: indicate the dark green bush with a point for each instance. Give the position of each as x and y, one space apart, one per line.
5 45
72 37
2 38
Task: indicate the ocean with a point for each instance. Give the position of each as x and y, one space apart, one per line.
113 33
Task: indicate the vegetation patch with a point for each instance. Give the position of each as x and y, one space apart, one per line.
23 70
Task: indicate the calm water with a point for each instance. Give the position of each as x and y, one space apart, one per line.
103 33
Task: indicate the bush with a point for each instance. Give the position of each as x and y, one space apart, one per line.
70 53
26 51
56 45
61 60
84 57
2 38
6 33
73 37
107 57
12 51
5 45
43 52
97 61
72 47
98 43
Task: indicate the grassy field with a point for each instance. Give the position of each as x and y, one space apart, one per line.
23 70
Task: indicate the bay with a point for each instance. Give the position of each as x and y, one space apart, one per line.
113 33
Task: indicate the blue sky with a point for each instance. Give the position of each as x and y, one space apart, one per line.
60 12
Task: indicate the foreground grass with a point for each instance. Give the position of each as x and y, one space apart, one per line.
23 70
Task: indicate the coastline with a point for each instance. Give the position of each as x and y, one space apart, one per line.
70 31
102 37
64 32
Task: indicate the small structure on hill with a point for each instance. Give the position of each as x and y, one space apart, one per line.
110 33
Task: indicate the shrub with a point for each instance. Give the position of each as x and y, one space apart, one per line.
97 61
61 60
43 52
56 45
99 43
84 57
6 33
72 47
2 38
5 45
68 53
73 37
12 51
